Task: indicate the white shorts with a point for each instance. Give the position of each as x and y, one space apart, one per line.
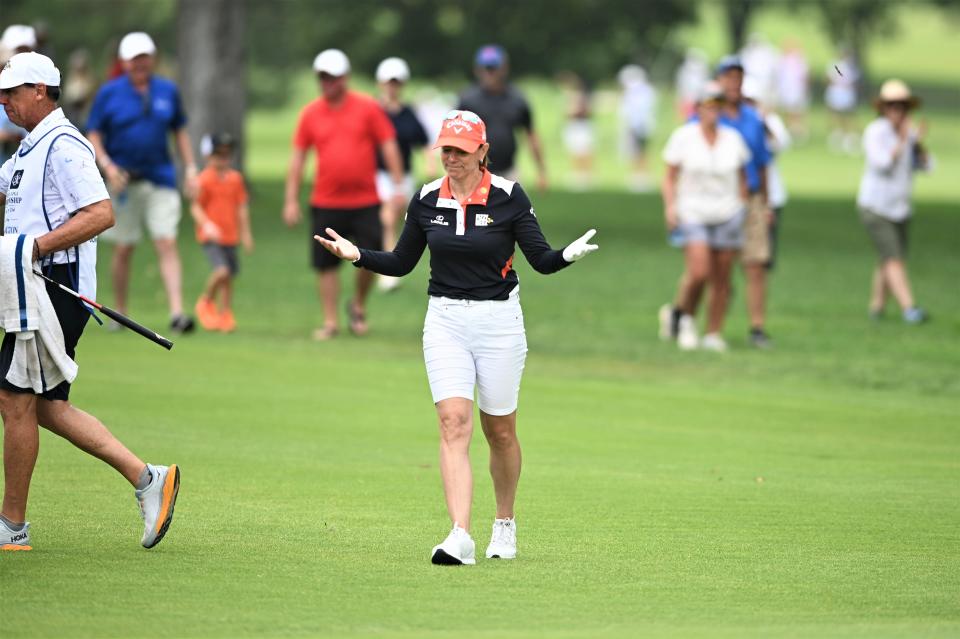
469 344
144 202
578 137
386 188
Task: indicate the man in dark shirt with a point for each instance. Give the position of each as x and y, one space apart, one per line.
503 108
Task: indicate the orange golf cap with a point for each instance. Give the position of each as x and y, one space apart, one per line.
463 130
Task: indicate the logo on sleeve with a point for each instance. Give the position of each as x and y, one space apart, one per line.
532 213
439 220
15 180
483 219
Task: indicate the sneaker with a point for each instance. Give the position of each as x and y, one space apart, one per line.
760 339
207 314
503 540
665 319
156 503
915 315
687 338
713 342
458 548
228 323
181 324
15 539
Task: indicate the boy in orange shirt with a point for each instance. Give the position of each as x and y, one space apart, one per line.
223 221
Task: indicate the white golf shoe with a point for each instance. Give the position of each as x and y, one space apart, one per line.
503 540
157 501
713 342
458 548
687 338
15 539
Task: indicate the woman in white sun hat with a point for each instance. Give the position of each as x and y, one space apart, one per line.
473 336
392 76
893 149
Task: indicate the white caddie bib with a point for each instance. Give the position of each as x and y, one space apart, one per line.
28 212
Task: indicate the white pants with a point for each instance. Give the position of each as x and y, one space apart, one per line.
480 344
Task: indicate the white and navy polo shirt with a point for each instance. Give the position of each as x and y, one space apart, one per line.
471 243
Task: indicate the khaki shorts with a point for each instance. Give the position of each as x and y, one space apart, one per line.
756 232
142 203
889 237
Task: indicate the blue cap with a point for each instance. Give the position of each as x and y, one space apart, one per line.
728 62
491 55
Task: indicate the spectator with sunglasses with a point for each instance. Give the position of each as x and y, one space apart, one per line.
130 121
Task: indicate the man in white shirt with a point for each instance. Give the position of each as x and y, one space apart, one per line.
51 190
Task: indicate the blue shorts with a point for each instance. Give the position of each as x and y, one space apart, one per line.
723 236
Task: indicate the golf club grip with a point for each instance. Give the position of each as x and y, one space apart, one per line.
137 328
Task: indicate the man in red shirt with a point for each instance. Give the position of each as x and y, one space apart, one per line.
345 129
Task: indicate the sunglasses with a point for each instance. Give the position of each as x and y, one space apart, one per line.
466 116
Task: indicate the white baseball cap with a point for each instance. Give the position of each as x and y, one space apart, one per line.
17 36
332 62
393 69
29 68
136 43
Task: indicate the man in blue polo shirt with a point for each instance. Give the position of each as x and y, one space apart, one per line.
129 123
755 254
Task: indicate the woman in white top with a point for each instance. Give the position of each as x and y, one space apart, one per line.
704 194
893 149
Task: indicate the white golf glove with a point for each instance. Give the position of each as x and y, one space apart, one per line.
579 247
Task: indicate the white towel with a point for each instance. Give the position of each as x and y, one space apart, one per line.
40 361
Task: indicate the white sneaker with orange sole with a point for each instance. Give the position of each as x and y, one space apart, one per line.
15 539
157 501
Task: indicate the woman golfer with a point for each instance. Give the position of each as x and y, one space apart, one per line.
473 335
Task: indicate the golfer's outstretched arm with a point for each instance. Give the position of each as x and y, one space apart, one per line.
397 262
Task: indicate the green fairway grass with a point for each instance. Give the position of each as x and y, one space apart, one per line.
808 491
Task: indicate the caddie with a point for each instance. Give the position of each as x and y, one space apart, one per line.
51 190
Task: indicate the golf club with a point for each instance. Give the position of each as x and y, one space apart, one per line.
114 315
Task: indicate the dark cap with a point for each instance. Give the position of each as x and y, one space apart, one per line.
222 139
491 55
727 63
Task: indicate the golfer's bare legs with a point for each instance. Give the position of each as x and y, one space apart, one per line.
120 272
505 459
88 433
456 428
21 443
328 284
170 272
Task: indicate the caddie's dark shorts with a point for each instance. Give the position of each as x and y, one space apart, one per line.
360 226
73 318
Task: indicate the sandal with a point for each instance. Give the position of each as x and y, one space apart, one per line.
358 321
325 333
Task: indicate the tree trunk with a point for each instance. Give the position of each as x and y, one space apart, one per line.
211 57
738 19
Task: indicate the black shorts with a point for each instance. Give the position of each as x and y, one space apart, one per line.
360 226
220 255
73 318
